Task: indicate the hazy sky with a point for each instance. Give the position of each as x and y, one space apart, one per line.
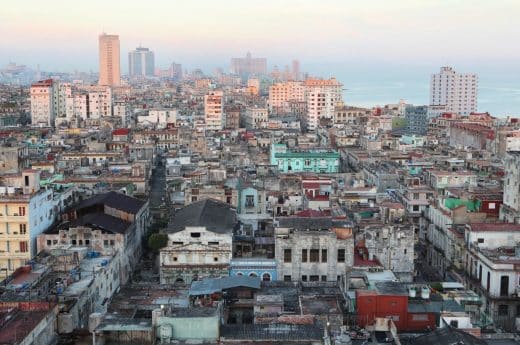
62 34
382 50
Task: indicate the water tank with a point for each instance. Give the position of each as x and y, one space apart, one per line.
3 190
10 190
412 292
425 292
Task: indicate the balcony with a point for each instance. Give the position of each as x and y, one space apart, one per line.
15 255
13 218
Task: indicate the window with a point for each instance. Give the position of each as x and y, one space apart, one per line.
415 208
415 196
287 255
503 310
212 243
405 252
250 201
480 240
314 278
304 278
112 242
304 255
341 255
195 234
48 242
21 211
504 285
266 277
323 278
215 259
175 243
23 229
286 278
315 255
324 255
73 242
105 243
24 248
492 205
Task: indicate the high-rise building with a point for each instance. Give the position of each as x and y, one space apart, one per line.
416 119
454 92
213 110
42 103
296 74
248 66
141 62
109 72
281 94
49 102
322 96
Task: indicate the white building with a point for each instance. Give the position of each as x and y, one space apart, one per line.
510 209
214 110
457 92
159 118
200 242
322 96
44 103
256 117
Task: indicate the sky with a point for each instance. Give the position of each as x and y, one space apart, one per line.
363 40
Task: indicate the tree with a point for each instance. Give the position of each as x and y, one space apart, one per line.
157 241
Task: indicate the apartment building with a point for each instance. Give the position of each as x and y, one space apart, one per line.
453 91
214 110
322 96
26 211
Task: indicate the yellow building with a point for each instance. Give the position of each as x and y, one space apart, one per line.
25 211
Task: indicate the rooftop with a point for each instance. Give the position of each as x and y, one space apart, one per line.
214 215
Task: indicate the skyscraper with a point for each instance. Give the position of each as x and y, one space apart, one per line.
141 62
296 70
248 66
453 92
109 72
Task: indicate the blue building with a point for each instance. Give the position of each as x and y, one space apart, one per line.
254 267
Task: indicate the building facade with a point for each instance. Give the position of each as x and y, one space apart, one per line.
322 96
214 110
457 92
109 60
141 62
318 161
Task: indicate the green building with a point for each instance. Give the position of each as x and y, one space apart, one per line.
316 161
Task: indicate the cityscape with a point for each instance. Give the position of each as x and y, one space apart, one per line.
247 196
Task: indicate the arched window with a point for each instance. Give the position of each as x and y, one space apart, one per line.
266 277
253 274
240 274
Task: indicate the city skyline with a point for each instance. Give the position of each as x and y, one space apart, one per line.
375 31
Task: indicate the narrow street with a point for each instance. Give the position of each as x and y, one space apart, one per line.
158 198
